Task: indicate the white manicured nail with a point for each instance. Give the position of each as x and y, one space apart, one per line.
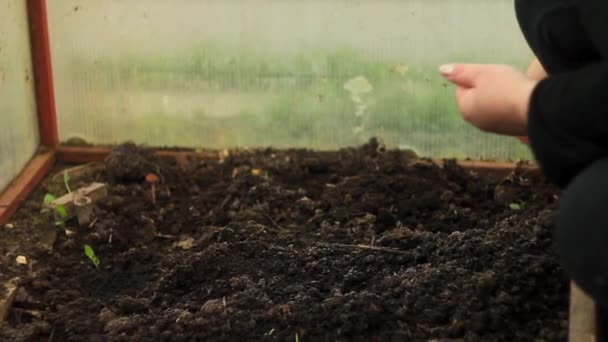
446 69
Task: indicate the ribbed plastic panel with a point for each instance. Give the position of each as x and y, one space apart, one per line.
319 74
18 121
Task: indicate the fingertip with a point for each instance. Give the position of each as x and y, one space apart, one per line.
446 69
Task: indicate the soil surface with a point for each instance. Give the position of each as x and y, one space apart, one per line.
353 245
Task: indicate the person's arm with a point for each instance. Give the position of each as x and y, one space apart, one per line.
568 112
568 121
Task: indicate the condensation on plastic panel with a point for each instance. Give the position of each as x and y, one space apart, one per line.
18 122
319 74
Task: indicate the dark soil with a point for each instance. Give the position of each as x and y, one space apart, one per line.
291 246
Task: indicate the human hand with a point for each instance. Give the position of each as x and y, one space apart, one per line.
494 98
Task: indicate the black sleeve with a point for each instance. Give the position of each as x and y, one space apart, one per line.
568 114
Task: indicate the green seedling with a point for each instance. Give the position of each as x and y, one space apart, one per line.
90 253
62 214
48 199
66 181
297 337
515 206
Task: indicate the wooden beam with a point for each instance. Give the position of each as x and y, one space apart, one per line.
43 72
94 191
582 318
6 298
81 155
24 184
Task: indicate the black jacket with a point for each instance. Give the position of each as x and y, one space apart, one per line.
568 115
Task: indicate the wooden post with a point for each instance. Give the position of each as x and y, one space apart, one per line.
582 316
6 298
43 72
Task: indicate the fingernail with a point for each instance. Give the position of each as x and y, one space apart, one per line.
446 69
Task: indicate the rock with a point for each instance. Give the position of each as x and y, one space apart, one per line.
21 260
120 325
185 243
213 306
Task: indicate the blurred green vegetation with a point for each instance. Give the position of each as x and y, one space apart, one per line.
306 103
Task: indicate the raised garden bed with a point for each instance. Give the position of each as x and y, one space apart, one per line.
359 244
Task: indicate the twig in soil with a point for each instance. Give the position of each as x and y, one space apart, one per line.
228 198
365 247
72 170
147 219
166 236
52 334
33 313
274 223
152 179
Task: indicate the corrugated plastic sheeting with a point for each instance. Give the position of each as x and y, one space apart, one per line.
317 74
18 122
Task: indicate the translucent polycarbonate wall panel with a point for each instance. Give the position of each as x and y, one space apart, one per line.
283 73
18 123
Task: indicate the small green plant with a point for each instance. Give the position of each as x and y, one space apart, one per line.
90 253
48 198
515 206
62 214
66 181
297 337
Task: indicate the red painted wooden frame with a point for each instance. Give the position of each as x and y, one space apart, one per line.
43 72
24 184
41 163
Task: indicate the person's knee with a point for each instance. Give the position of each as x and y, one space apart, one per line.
582 231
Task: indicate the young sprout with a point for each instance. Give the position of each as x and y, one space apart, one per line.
66 181
48 199
63 215
152 179
59 209
515 206
90 253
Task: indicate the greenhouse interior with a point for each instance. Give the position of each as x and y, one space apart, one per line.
212 170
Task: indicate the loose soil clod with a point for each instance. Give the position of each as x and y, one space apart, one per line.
130 163
354 245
